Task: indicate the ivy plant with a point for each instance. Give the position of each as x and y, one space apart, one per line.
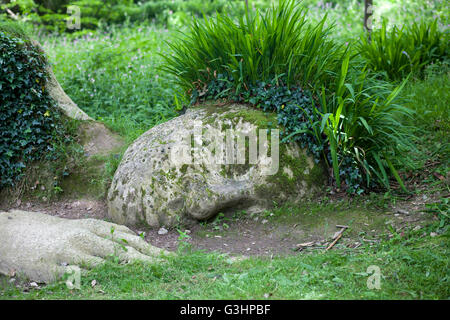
29 121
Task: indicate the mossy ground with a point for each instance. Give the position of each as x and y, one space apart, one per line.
235 113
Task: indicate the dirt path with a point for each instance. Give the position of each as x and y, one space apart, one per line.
281 232
271 233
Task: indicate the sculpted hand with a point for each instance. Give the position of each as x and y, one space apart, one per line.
40 246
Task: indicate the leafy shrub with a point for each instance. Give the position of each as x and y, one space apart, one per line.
273 61
401 51
441 209
28 121
362 123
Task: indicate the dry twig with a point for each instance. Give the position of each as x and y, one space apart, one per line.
339 235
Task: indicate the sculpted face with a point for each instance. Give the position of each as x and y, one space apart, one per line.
205 161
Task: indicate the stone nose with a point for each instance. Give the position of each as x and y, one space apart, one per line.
211 199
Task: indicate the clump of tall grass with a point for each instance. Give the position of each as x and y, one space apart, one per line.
405 50
256 47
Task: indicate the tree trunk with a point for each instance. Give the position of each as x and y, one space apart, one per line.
368 11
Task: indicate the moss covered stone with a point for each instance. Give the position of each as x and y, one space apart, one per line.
175 171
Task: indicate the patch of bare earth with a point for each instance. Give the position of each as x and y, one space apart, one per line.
260 235
98 140
268 235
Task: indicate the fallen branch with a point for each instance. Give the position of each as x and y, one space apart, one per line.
432 164
339 235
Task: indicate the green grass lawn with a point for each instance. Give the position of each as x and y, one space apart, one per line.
412 266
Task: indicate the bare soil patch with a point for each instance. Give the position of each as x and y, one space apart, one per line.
278 233
290 234
69 209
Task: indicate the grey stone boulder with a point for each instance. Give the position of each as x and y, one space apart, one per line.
41 247
210 159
